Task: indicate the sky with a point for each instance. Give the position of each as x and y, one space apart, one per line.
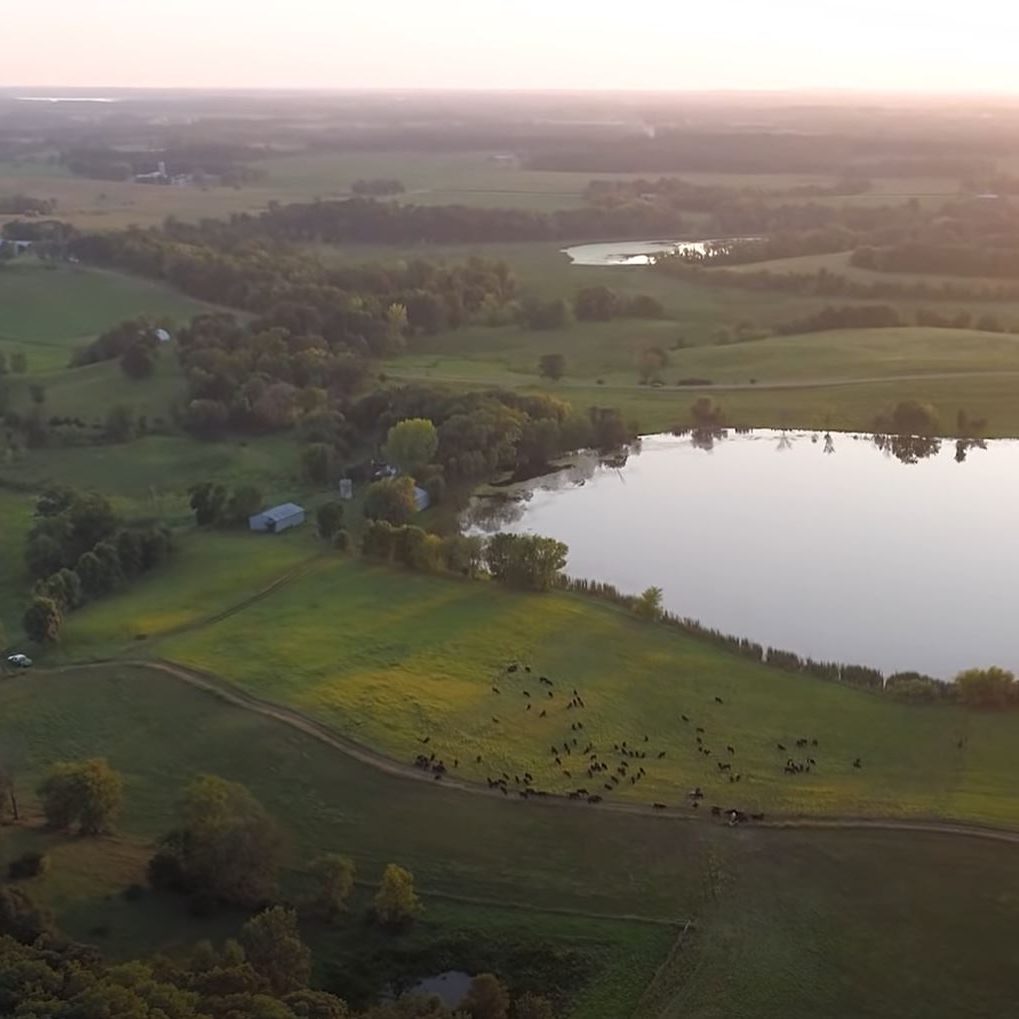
909 45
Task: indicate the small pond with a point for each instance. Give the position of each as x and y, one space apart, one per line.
450 987
899 556
629 252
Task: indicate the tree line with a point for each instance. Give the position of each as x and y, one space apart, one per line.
78 549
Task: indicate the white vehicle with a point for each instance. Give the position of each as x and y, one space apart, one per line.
19 661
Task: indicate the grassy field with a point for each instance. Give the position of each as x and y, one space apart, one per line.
390 658
50 310
610 351
839 265
757 950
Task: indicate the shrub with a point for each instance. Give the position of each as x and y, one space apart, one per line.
30 864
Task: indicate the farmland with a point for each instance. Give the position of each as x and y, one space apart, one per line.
389 659
754 950
316 677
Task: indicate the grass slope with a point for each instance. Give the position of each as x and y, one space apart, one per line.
389 657
758 949
49 310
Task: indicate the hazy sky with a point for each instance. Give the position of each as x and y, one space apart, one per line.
648 44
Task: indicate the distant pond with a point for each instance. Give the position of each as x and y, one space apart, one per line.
629 252
899 554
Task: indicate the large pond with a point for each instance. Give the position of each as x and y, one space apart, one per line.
629 252
832 546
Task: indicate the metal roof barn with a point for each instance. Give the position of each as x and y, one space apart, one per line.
277 519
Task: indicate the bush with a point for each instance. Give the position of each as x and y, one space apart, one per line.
30 864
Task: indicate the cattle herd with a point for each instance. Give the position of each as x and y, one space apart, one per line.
596 772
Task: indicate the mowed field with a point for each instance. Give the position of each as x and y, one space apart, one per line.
390 659
494 873
48 310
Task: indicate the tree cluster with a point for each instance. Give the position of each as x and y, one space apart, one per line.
133 341
77 550
486 432
214 505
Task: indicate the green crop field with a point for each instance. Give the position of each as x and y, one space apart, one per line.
391 658
48 310
755 949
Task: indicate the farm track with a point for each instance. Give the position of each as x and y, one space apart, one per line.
228 692
294 573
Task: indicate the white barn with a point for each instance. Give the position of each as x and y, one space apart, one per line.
277 519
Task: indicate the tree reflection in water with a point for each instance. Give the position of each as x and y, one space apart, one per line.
909 449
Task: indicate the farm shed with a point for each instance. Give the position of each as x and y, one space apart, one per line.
421 499
277 519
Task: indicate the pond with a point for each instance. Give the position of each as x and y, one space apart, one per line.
896 555
450 987
629 252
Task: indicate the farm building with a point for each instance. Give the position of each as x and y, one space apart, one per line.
277 519
421 499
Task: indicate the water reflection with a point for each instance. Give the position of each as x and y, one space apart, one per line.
877 555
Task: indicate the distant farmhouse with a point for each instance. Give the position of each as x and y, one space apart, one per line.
279 518
16 246
160 176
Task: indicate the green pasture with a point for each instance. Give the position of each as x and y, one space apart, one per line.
784 920
390 658
611 351
48 310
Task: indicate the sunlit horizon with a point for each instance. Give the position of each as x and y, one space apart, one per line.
790 45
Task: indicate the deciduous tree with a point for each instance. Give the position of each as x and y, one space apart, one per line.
411 444
396 904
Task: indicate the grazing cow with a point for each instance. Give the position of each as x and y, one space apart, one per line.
700 728
699 740
757 817
438 775
512 668
527 668
550 694
543 713
645 737
594 799
545 680
613 780
477 760
718 700
738 776
494 719
573 796
857 763
495 689
456 762
527 693
685 719
658 806
716 811
502 789
566 773
559 761
425 740
780 746
696 804
607 786
731 749
528 707
661 754
696 793
813 742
